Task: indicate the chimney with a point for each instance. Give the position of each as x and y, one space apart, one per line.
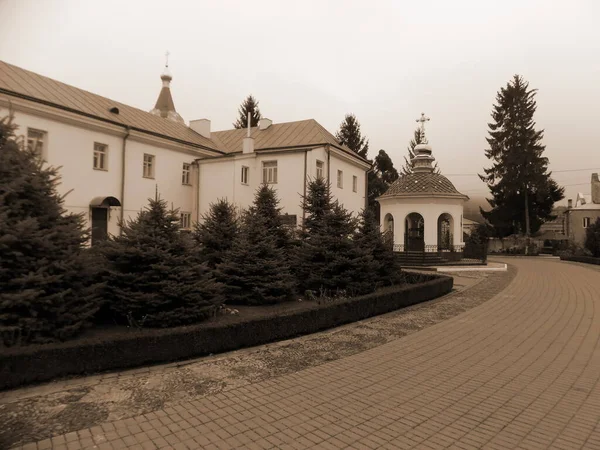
201 126
595 188
248 144
264 123
570 203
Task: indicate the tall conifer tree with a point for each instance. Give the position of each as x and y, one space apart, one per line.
249 105
523 192
350 135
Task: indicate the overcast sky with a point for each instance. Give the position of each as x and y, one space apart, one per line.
385 61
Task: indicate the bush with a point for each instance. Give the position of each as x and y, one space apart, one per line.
592 238
153 279
476 244
45 291
141 347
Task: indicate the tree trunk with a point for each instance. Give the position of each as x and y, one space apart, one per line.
527 227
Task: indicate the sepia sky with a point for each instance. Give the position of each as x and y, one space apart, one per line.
385 61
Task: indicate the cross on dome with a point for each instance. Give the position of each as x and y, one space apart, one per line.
421 122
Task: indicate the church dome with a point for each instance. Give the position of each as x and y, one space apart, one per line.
422 184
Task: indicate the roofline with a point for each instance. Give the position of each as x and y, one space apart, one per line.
423 194
102 119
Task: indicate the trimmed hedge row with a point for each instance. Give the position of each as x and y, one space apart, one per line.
22 365
582 259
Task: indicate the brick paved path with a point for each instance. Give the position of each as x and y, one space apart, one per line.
519 371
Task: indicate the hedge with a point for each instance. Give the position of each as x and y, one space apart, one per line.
23 365
582 259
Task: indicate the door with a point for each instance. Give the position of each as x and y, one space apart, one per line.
99 224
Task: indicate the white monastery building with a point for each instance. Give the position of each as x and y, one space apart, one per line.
423 210
113 157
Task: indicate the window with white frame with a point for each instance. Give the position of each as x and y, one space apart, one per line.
354 183
36 140
269 172
185 174
245 174
186 220
149 163
340 179
586 222
320 167
100 156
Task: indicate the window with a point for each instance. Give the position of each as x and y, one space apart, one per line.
245 172
100 156
186 220
185 174
586 222
320 167
354 183
340 179
289 220
148 166
36 140
270 172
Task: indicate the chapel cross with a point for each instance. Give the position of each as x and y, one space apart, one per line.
167 58
422 121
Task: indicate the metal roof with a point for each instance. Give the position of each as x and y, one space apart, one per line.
421 184
281 135
18 82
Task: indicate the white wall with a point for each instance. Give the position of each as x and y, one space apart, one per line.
72 148
430 209
221 178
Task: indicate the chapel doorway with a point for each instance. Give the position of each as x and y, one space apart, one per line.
414 238
445 237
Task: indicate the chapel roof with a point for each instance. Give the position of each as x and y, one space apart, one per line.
422 184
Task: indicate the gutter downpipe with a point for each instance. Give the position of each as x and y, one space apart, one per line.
305 174
197 164
127 132
328 150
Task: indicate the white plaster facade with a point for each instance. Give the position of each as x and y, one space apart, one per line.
70 136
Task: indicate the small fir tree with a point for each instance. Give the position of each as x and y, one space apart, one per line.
592 238
44 270
385 267
153 278
266 205
255 270
250 105
523 192
349 134
328 259
214 236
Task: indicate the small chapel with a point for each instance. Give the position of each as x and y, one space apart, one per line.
423 211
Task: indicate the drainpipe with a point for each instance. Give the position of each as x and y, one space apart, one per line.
328 150
127 131
305 174
197 164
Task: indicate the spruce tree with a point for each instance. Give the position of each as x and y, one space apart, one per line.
266 205
328 259
255 270
385 268
153 277
44 271
523 192
215 234
349 134
249 105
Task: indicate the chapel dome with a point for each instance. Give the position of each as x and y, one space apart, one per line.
422 184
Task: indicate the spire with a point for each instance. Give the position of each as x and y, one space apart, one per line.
423 159
164 104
